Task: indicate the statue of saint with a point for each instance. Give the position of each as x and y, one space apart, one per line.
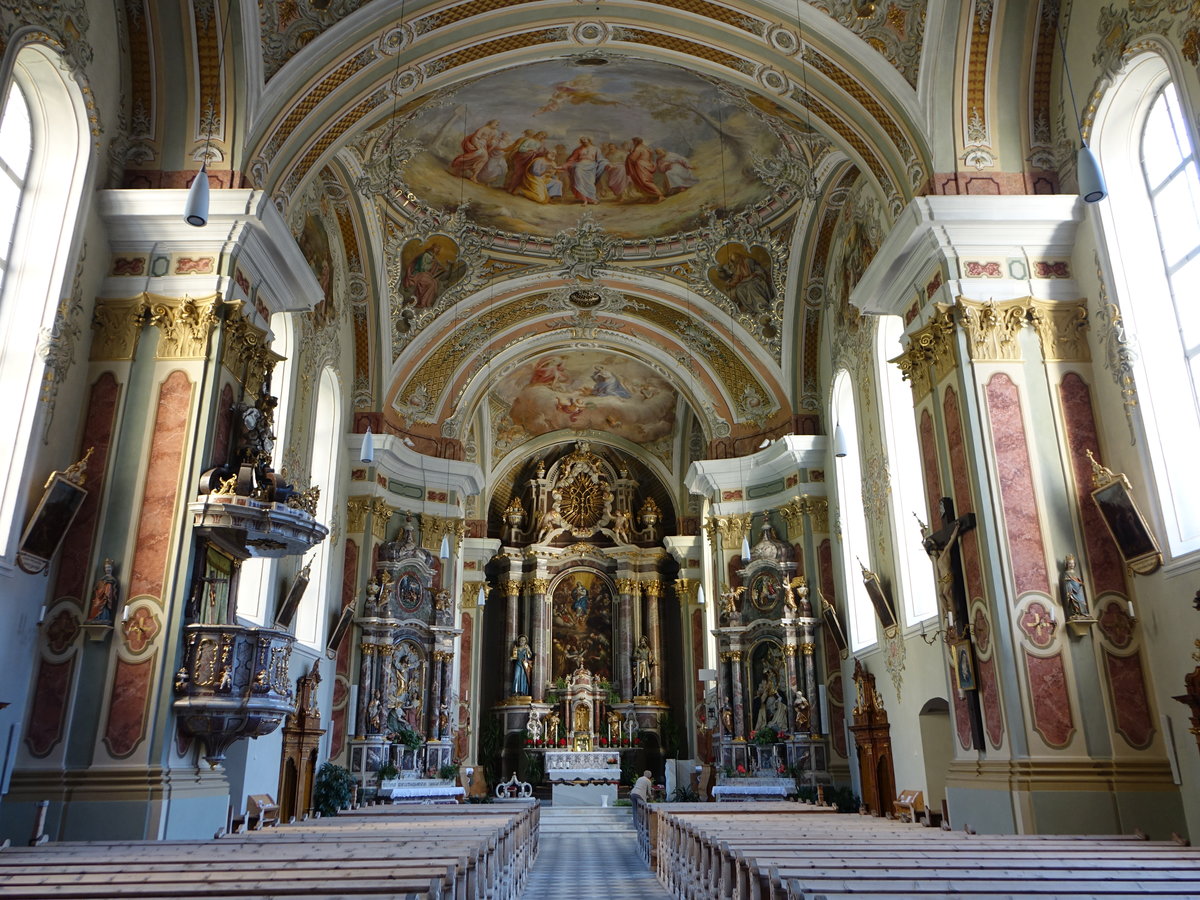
1073 598
552 722
643 662
726 717
801 712
104 597
522 656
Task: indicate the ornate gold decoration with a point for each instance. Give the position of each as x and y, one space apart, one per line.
433 528
1119 353
512 588
583 501
930 354
540 586
380 513
652 589
469 595
731 529
356 514
76 472
117 325
306 500
789 649
627 585
245 353
686 589
991 327
735 656
184 325
807 649
1062 330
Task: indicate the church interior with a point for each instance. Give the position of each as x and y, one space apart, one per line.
771 394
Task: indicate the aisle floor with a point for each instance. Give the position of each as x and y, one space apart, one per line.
590 853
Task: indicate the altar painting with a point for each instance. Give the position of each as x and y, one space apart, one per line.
407 689
582 624
769 681
586 390
644 145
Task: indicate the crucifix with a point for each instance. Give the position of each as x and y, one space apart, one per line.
943 549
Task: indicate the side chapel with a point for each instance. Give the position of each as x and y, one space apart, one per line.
765 394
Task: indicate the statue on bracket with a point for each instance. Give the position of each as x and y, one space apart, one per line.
643 659
1073 597
104 597
522 657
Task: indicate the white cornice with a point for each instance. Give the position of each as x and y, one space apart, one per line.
243 224
782 457
949 228
393 459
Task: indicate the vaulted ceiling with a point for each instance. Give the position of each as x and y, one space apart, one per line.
788 137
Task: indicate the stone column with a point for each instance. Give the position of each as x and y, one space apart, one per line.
512 589
807 648
626 588
793 681
447 669
435 691
366 684
540 640
654 630
739 691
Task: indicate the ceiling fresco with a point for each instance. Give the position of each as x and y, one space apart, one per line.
636 143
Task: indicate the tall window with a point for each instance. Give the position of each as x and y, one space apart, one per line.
914 574
856 544
328 431
1152 235
44 157
16 146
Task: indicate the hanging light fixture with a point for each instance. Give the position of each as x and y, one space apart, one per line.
1087 168
481 600
840 448
700 594
445 551
195 210
367 452
746 547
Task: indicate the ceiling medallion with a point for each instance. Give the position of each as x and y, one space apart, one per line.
584 299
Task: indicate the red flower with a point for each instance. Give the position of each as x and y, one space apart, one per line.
741 770
562 742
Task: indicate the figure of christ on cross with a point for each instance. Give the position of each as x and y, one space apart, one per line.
942 546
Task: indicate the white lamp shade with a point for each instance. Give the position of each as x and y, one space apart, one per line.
840 447
445 551
195 211
481 601
1091 180
745 547
700 594
367 453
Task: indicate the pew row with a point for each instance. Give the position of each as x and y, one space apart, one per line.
473 852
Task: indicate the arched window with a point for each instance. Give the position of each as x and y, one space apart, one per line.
913 572
44 157
1152 234
328 430
856 544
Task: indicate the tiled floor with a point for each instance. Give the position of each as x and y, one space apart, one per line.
590 853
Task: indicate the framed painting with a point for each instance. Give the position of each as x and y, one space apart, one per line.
880 600
964 666
829 615
46 530
764 591
1113 496
287 609
339 631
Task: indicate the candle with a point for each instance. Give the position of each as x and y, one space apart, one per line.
950 618
42 615
1131 615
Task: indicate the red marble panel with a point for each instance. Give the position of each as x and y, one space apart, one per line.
48 711
1131 705
97 432
1104 560
929 467
1115 624
465 645
698 648
159 519
837 714
1022 524
339 720
989 695
126 727
969 542
825 562
1050 702
223 428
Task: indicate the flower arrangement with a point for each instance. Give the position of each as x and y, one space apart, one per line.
562 742
741 771
603 742
764 736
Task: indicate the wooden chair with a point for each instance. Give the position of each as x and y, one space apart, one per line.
909 806
261 811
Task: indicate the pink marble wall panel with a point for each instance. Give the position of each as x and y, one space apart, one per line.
1131 705
48 711
126 727
222 428
1050 702
339 720
1022 524
929 467
989 695
833 659
962 716
158 515
957 445
97 432
1104 561
466 641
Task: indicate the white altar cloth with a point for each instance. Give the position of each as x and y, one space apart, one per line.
420 790
571 765
755 789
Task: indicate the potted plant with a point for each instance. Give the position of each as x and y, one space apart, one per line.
387 772
333 789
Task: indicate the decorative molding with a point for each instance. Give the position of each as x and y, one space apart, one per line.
56 345
380 514
1062 330
1120 353
992 328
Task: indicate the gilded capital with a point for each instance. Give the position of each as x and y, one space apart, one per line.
512 587
356 514
184 325
244 351
992 328
117 325
1062 330
807 649
627 585
789 649
380 513
540 586
735 656
652 589
433 528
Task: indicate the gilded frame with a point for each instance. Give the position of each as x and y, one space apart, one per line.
1113 497
884 610
47 528
339 631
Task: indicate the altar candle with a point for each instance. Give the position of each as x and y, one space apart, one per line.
1131 609
950 618
42 615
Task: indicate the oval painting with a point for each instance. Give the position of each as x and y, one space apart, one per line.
645 146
